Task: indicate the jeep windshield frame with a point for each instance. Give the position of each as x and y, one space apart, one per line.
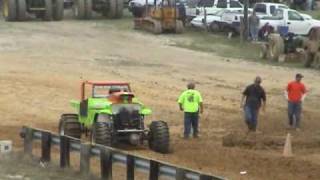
104 86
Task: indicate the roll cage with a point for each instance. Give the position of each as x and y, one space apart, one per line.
122 85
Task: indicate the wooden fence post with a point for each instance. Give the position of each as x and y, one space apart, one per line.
130 167
28 141
46 146
106 163
64 151
205 19
85 158
154 170
180 174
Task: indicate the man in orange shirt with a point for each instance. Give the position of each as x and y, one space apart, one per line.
295 94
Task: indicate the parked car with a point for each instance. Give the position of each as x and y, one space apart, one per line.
269 9
212 6
222 20
295 21
198 21
231 21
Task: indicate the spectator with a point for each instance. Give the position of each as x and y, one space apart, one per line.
265 31
295 94
182 12
254 26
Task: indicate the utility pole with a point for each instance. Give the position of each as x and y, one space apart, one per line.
245 21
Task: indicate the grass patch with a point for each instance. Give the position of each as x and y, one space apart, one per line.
218 44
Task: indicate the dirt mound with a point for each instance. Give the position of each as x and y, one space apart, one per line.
262 141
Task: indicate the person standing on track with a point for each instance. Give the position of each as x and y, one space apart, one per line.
295 93
252 98
190 102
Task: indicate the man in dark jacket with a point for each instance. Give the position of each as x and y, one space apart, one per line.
182 12
253 97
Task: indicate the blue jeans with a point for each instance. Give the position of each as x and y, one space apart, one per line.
191 120
294 113
254 32
251 117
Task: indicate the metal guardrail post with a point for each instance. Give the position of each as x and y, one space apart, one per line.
154 170
85 158
133 162
130 167
28 141
180 174
205 177
46 146
64 151
106 164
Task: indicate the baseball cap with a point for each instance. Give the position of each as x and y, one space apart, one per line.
299 75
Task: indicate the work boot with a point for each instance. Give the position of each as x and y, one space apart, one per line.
195 136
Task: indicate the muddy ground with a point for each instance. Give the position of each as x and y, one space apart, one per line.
42 64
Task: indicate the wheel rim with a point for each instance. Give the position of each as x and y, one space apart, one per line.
5 8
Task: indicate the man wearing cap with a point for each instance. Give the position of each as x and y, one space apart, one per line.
190 102
295 93
252 98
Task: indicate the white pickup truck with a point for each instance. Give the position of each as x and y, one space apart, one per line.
212 6
296 22
269 9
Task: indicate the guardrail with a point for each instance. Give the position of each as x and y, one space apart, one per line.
107 155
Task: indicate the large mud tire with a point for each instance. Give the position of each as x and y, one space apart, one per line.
21 10
58 8
101 133
263 51
276 47
69 125
79 9
9 10
88 9
310 57
47 16
316 62
119 12
179 27
314 34
159 138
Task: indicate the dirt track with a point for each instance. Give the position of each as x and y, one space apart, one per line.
41 65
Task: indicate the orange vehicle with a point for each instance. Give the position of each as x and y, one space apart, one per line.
161 17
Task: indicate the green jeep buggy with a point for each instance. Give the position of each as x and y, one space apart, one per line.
110 113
